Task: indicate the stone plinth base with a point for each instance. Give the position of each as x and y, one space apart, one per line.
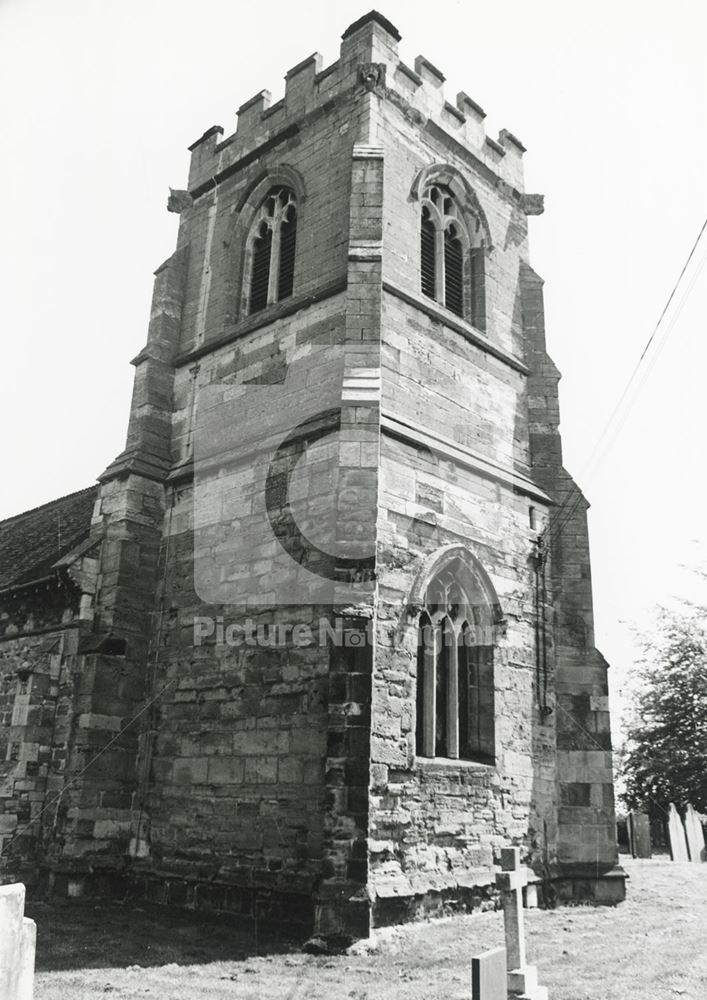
252 909
523 984
400 908
249 908
78 882
583 885
342 913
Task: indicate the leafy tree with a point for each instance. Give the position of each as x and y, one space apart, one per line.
664 758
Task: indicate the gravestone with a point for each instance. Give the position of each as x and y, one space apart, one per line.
695 836
623 835
639 832
522 979
678 844
530 896
18 936
488 975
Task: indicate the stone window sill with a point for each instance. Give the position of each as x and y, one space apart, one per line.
450 764
443 315
264 317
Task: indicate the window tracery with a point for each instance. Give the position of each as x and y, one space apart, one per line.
451 258
455 673
272 249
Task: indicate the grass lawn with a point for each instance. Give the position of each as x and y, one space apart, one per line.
653 946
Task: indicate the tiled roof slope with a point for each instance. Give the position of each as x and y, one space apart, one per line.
30 543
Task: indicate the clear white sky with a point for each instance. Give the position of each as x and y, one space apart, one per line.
101 99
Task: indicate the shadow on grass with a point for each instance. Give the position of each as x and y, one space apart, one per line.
92 935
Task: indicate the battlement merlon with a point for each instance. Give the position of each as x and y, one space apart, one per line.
368 60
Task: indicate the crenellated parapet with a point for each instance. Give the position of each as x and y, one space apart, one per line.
368 62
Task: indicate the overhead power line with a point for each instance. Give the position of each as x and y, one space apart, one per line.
559 519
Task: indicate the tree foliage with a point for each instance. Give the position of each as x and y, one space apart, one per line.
665 755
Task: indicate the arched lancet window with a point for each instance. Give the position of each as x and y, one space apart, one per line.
455 668
451 256
272 248
453 270
476 697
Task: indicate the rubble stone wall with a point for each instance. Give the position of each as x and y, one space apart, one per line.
38 670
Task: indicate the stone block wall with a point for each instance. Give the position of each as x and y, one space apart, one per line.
436 826
253 778
454 471
39 665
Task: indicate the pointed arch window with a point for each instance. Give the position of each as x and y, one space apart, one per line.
272 249
455 672
452 256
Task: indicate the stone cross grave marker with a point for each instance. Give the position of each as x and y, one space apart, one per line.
522 979
488 975
695 836
678 844
18 939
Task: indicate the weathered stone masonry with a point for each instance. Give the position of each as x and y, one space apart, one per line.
284 783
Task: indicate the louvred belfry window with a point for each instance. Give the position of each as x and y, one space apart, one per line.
273 248
453 271
451 267
427 254
262 255
288 245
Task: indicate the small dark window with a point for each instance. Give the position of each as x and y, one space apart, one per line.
425 647
441 694
427 255
260 276
476 701
478 288
453 272
288 244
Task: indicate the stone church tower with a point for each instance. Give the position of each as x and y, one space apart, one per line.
327 642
